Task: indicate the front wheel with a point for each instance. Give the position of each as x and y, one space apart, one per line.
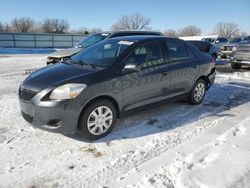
198 92
98 119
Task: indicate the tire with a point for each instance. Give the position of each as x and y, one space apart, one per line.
92 124
235 66
198 92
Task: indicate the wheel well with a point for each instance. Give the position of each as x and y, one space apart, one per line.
111 99
205 78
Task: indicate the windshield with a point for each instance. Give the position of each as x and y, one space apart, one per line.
235 40
102 54
208 39
92 40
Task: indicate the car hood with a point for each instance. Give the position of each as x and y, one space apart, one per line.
56 75
64 53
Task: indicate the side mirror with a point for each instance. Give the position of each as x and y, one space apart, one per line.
129 68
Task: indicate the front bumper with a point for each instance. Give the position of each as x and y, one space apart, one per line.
241 62
54 116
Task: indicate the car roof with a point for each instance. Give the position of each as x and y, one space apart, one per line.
111 33
137 38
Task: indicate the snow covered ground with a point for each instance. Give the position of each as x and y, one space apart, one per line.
173 145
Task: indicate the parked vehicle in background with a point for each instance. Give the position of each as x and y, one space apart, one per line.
241 56
217 41
89 91
205 47
61 55
199 37
227 49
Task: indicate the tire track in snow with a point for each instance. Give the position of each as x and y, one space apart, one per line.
170 176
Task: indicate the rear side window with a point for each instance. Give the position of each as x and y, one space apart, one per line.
177 51
190 53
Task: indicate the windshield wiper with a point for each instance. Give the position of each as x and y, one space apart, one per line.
85 63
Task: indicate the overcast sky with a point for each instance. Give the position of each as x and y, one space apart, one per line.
174 14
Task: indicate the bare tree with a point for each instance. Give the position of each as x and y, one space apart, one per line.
243 34
55 26
171 33
81 30
4 27
22 24
226 29
132 22
190 31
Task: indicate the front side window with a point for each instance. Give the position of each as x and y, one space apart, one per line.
177 51
102 54
146 56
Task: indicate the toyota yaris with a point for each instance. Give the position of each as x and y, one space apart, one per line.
89 91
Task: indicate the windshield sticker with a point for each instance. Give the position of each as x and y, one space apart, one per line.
105 34
125 42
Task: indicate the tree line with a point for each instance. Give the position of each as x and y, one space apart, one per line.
125 22
48 25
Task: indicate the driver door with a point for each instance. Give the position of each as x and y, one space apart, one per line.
148 84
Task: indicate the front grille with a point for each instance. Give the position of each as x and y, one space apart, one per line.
26 94
27 117
243 49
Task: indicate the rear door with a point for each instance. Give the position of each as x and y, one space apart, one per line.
149 84
182 67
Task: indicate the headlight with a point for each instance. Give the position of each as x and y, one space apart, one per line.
67 91
234 49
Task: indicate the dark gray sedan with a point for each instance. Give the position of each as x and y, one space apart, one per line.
89 91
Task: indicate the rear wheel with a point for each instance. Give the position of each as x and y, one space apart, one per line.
235 66
98 119
198 92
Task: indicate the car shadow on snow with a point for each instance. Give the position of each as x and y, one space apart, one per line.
220 98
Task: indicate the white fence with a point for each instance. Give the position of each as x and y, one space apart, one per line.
34 40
